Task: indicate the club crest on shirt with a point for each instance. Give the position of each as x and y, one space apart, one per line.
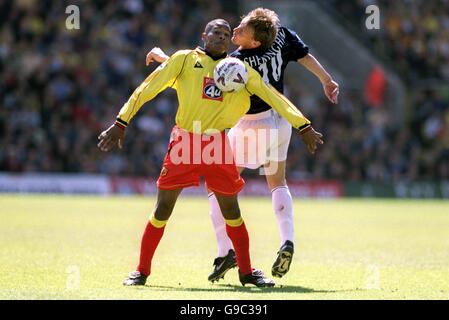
211 91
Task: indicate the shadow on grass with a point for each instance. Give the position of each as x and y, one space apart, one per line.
249 289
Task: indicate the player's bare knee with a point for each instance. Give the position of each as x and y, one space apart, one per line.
229 207
231 214
275 182
277 178
166 200
163 210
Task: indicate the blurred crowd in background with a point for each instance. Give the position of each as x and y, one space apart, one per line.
413 40
59 89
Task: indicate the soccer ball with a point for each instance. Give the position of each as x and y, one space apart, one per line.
230 75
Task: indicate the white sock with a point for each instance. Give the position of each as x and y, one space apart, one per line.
283 209
223 241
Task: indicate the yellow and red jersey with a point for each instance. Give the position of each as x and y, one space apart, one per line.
190 73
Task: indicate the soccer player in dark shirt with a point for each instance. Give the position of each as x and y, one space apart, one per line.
270 58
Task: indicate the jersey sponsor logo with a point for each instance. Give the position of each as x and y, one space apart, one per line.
211 91
198 65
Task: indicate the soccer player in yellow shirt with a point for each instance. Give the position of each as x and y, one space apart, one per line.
203 114
268 47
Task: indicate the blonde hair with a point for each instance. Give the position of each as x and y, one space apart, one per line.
265 23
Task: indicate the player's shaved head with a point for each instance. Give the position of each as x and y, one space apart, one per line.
217 37
217 22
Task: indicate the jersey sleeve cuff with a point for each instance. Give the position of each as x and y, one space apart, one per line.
120 123
305 128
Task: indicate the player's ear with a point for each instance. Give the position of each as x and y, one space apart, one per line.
256 43
203 36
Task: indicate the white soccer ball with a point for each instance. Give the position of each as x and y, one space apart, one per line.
230 75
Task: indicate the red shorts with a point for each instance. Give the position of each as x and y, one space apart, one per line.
191 156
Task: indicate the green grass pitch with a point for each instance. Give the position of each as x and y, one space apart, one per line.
61 247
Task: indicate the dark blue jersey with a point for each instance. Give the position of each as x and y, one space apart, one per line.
271 63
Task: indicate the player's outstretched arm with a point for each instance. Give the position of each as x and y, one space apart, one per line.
275 99
156 54
156 82
285 108
311 138
330 87
114 135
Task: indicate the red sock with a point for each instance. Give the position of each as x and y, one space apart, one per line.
240 240
150 241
